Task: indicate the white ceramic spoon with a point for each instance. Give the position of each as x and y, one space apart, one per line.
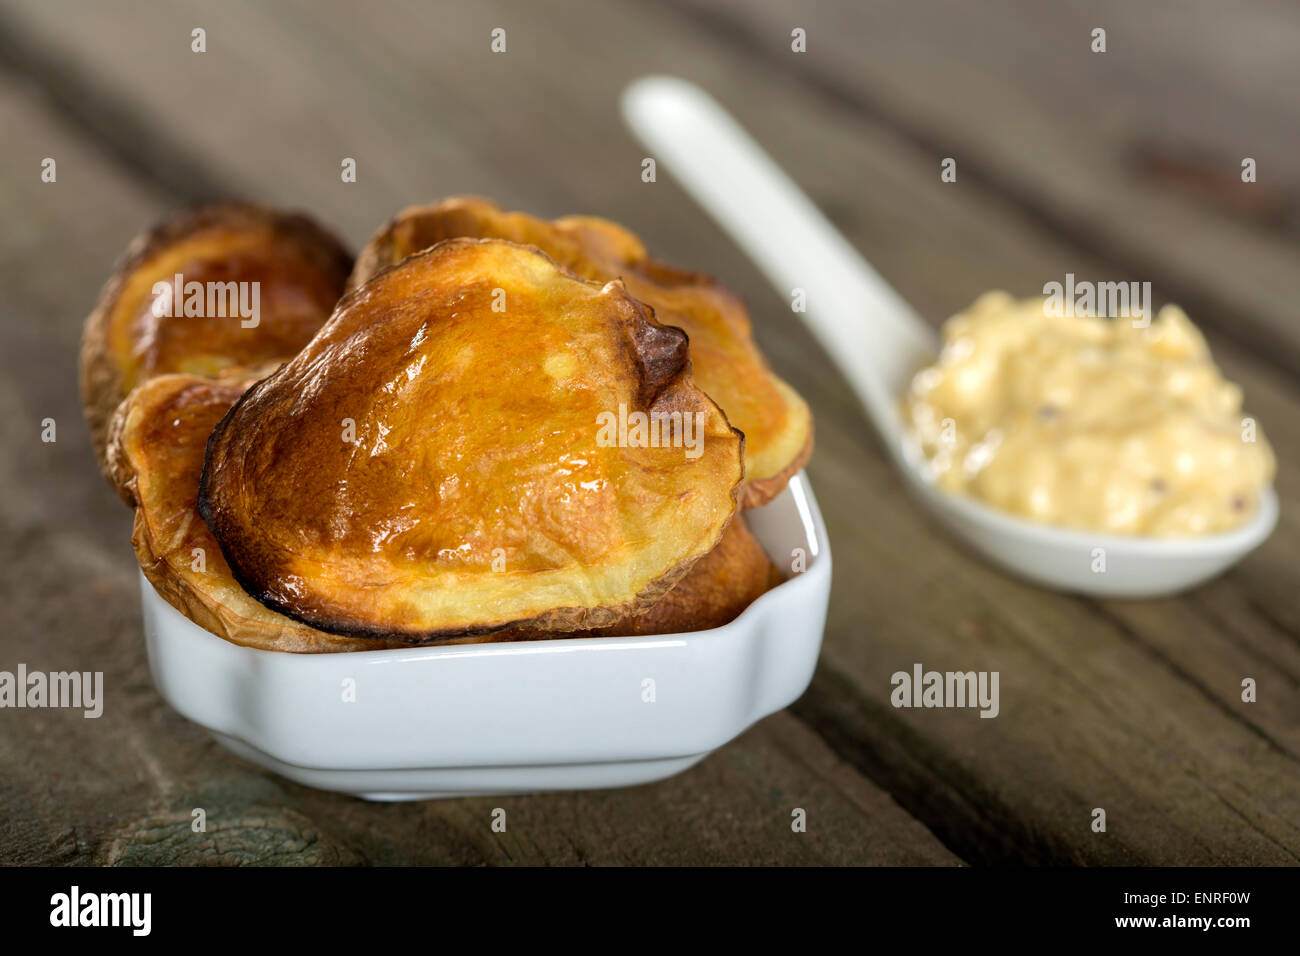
878 342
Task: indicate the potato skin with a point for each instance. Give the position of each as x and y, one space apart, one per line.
325 264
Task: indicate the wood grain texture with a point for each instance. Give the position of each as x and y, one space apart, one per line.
121 789
1135 153
1130 706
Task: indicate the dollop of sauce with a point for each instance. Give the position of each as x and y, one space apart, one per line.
1087 422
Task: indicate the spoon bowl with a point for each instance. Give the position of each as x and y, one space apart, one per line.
878 341
1087 562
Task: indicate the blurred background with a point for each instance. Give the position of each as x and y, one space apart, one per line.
1116 165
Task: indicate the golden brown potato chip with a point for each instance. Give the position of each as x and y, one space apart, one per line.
476 438
156 447
723 583
156 451
255 284
727 363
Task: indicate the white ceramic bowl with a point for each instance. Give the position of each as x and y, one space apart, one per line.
508 718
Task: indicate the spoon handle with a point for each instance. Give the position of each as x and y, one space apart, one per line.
875 338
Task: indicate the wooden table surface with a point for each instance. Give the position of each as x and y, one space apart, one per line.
1122 165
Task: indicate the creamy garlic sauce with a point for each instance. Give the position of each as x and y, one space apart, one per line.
1087 422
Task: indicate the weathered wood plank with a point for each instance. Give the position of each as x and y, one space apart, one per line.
122 788
1128 706
1135 153
735 807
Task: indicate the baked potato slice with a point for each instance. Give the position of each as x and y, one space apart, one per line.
140 327
714 592
466 445
155 452
727 363
156 446
723 583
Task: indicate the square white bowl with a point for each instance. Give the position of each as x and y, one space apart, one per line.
569 713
